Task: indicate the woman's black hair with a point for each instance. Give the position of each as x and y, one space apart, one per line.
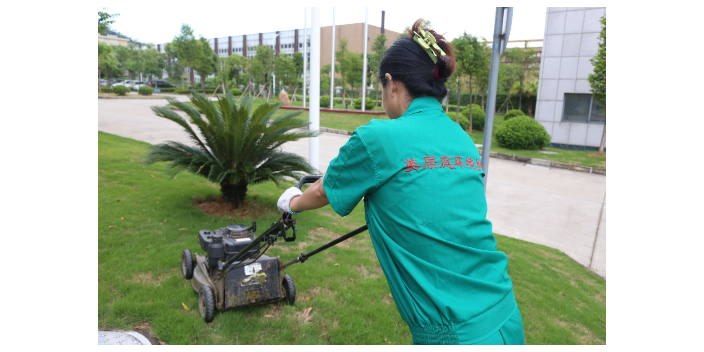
408 62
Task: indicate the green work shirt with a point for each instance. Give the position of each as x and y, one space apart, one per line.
426 211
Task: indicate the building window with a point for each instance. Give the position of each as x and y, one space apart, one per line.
300 45
582 108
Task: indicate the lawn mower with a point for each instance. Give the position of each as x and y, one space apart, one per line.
235 272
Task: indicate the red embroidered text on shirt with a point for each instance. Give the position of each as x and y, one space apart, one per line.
431 163
411 164
446 162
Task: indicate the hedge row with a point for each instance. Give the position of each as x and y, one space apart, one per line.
500 98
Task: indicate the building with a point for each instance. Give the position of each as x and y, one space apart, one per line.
565 105
290 41
112 39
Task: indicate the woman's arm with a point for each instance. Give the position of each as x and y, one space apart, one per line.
313 198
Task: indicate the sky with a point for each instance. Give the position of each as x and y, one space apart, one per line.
152 22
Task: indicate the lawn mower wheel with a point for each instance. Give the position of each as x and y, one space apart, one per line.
290 289
206 303
187 264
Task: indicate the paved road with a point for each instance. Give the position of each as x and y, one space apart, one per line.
558 208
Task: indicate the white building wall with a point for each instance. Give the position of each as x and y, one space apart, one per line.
570 41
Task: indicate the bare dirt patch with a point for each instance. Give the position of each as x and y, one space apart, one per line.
218 207
274 312
325 235
597 155
365 273
303 316
149 279
316 291
146 330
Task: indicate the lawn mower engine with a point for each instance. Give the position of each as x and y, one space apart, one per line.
223 283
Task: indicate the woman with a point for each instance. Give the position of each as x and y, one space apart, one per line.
425 204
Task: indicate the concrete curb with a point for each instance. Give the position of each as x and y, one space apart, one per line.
549 163
522 159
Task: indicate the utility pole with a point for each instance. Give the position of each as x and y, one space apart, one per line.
364 71
502 29
332 64
314 111
305 52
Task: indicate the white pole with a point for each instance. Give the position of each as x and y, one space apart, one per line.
364 72
305 52
332 64
314 86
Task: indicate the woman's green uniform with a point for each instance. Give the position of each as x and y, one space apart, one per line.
426 211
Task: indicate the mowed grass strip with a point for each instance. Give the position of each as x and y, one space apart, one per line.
146 219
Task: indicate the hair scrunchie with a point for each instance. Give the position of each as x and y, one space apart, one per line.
436 76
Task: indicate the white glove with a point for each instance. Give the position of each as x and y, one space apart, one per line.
285 198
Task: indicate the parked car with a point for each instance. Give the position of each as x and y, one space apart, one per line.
103 82
128 83
159 84
136 85
116 82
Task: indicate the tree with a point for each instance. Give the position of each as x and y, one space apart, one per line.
285 71
378 49
325 77
508 75
154 62
263 65
298 68
342 66
525 59
187 47
205 65
105 20
174 69
597 79
237 148
471 59
107 62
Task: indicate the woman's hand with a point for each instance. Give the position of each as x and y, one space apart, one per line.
285 199
313 198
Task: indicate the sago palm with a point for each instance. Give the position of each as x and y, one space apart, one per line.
238 146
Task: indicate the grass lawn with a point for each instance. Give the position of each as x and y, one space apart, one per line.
145 220
130 96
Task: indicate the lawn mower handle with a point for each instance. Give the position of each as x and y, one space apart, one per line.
307 179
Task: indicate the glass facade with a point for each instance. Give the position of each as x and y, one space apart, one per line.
582 108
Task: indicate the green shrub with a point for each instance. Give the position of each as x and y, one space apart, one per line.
236 92
522 132
464 121
513 113
337 100
120 90
368 104
106 89
478 116
325 101
145 90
